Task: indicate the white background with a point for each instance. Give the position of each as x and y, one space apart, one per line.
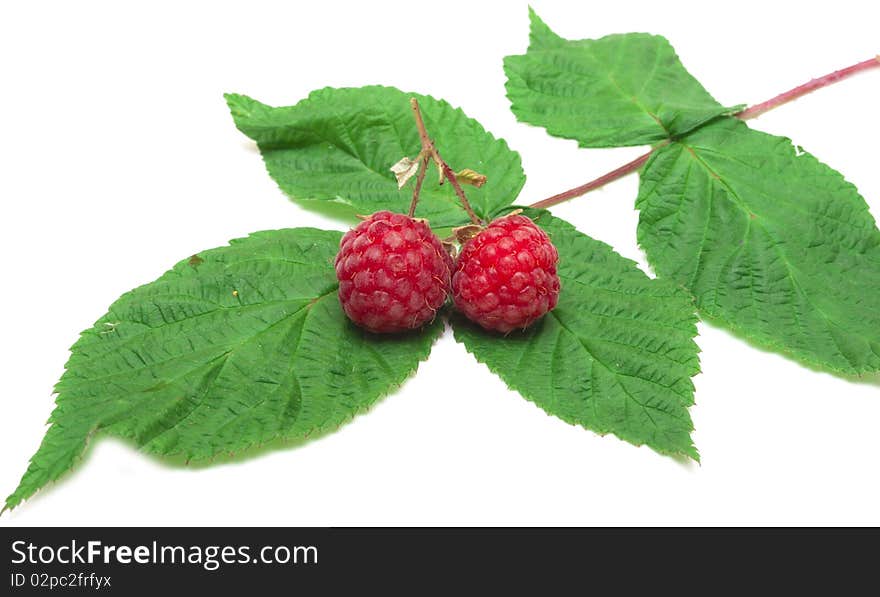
118 158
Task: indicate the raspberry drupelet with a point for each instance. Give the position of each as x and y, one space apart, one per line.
393 272
505 277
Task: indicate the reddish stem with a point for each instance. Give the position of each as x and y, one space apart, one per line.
420 178
751 112
801 90
420 124
594 184
465 204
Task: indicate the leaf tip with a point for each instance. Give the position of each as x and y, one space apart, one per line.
232 99
539 33
241 106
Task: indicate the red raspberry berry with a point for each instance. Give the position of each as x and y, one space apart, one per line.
505 277
393 273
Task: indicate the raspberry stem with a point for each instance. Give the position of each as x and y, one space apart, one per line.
429 152
420 178
750 112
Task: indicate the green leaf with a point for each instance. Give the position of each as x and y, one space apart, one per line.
232 348
620 90
615 356
338 145
772 243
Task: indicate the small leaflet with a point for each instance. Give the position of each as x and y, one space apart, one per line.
468 176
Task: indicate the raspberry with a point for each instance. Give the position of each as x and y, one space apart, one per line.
393 273
505 277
